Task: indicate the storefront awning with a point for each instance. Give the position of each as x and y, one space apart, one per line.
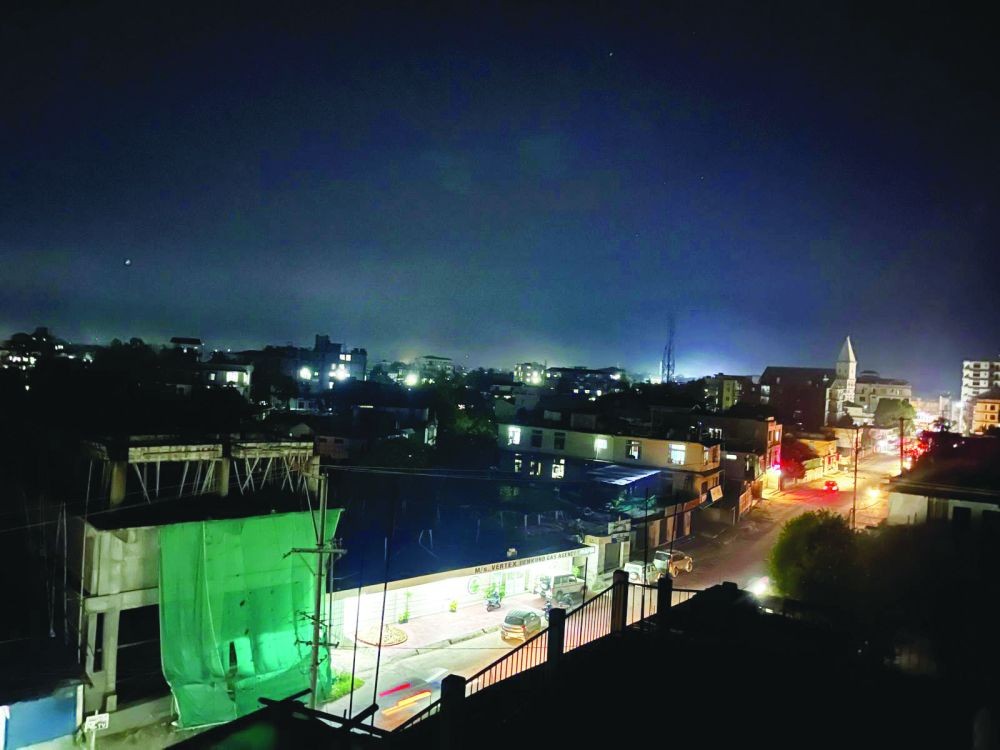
622 476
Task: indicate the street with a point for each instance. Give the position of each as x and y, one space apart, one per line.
741 555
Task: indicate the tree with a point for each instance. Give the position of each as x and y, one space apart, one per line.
794 454
816 559
890 410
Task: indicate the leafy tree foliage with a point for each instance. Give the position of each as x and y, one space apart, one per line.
890 410
794 454
815 558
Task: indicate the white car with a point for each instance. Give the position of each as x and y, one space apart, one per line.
636 574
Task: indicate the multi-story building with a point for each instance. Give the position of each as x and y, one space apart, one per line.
723 391
978 376
314 370
431 367
810 397
585 381
870 388
985 412
557 448
529 373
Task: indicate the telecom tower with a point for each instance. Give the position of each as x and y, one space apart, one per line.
667 363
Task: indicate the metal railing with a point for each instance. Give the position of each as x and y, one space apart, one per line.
589 622
531 653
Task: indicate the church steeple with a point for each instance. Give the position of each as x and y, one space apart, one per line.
847 353
847 367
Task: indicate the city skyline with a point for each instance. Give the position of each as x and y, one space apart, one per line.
509 186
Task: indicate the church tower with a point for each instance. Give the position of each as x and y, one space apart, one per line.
847 368
841 391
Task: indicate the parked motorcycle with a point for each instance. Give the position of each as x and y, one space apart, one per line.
492 602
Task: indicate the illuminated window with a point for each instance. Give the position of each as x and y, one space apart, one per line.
232 377
211 376
518 463
306 373
678 454
633 449
559 442
513 436
559 468
600 444
535 468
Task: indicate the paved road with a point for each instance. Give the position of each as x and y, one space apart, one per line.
741 558
743 555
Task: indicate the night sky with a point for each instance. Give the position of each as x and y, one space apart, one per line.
510 184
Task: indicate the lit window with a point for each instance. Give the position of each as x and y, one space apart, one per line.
535 468
600 444
306 373
678 454
559 468
211 376
518 463
232 377
513 436
633 449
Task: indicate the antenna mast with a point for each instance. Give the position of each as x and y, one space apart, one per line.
667 362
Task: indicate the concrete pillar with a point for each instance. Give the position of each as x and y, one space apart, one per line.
222 477
110 647
557 634
664 600
119 475
619 601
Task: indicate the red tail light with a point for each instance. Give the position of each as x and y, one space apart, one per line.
390 691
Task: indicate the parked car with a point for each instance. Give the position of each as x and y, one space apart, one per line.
673 562
830 486
642 572
520 625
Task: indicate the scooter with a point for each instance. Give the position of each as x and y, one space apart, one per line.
492 602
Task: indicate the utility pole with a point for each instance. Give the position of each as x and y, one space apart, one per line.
321 549
854 500
901 438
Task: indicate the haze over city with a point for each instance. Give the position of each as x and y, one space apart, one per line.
508 184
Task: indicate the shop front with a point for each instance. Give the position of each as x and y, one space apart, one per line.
448 592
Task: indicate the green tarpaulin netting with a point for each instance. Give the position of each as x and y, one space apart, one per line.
235 613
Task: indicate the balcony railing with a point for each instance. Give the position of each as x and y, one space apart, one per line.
621 605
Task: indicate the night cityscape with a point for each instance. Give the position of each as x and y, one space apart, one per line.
447 376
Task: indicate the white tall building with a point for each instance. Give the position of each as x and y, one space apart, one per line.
978 376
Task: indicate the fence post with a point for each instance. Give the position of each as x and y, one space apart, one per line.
557 634
619 601
452 712
664 600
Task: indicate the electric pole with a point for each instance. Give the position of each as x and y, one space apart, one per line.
854 500
321 549
901 439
